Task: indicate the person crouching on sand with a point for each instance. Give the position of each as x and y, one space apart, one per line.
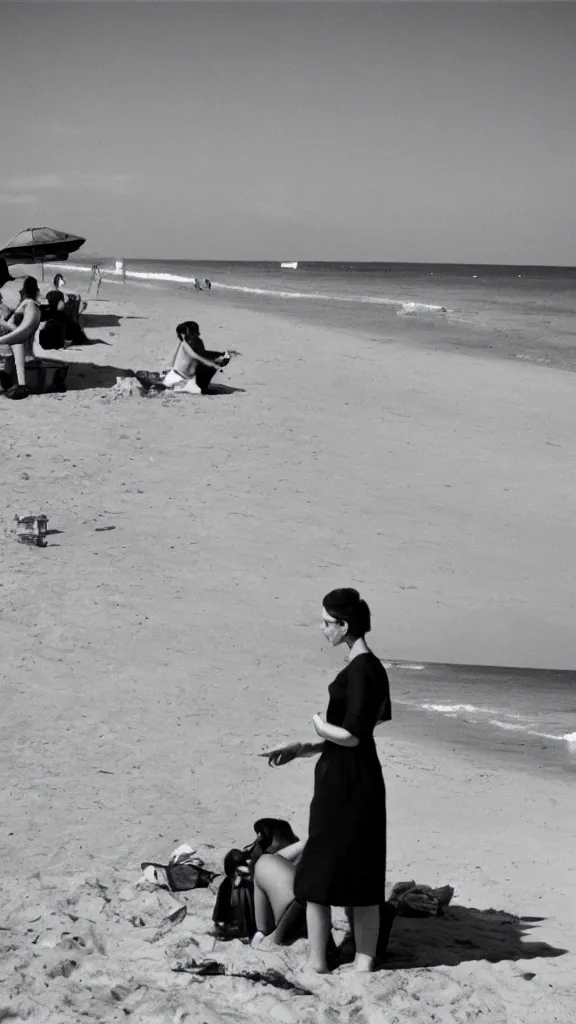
59 330
280 919
343 863
193 366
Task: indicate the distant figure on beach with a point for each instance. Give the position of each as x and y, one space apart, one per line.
343 863
95 279
197 284
207 283
73 302
193 366
18 331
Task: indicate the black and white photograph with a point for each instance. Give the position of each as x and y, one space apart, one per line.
288 509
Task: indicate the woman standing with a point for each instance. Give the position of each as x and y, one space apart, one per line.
344 861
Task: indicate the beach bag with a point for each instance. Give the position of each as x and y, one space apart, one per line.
233 913
42 376
414 900
183 872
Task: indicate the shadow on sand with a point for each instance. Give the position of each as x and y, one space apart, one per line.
223 389
462 934
86 376
90 341
101 320
83 376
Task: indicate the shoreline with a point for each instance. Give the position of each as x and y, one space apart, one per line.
441 315
169 633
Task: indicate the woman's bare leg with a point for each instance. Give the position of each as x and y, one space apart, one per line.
273 890
19 353
366 928
319 921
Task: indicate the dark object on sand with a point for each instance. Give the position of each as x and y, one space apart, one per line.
188 872
413 900
233 912
17 391
31 529
150 380
169 923
214 968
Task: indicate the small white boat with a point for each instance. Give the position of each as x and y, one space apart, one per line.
290 266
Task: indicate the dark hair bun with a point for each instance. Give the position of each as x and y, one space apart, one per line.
345 604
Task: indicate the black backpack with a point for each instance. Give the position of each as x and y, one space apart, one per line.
233 913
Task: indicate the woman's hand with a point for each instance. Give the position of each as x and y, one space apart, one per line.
282 755
318 723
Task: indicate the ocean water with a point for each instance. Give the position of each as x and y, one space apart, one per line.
525 716
525 313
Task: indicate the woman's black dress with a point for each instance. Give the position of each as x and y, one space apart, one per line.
344 861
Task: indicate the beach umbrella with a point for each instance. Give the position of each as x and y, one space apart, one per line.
41 245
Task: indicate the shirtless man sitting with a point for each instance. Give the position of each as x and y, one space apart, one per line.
193 366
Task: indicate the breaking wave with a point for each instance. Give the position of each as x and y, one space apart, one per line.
404 307
479 714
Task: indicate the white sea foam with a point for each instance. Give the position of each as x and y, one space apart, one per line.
403 665
569 737
374 300
404 307
455 708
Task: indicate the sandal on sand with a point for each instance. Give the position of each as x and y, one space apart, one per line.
203 968
18 391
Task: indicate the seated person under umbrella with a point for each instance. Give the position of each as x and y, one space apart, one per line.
59 329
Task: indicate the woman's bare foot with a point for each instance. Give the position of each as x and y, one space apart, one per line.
257 939
267 942
362 964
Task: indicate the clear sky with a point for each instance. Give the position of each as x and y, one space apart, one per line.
254 130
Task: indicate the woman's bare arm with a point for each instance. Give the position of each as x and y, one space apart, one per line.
334 733
310 749
193 354
293 851
289 752
28 325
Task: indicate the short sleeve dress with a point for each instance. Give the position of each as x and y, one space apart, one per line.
344 861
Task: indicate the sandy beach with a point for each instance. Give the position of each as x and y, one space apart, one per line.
170 632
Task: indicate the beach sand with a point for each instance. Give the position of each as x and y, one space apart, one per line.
144 667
